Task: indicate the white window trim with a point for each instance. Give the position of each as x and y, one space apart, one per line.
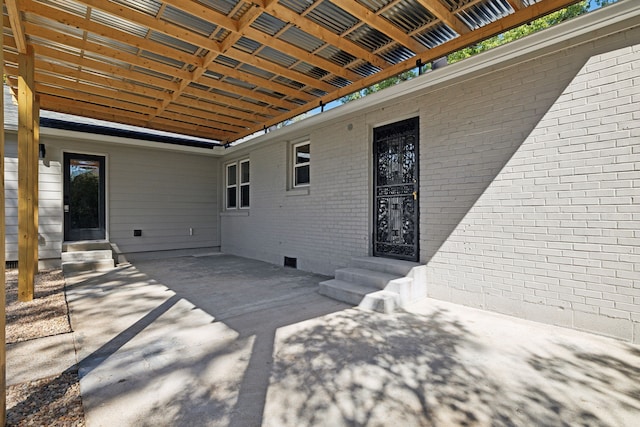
295 166
237 185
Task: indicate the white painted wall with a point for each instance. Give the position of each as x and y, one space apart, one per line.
322 227
163 193
530 182
555 236
50 204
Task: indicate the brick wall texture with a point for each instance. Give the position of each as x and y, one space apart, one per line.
555 236
529 189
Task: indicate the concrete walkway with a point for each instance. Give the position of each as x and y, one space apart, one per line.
225 341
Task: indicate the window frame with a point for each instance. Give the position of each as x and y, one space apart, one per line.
295 165
242 184
238 185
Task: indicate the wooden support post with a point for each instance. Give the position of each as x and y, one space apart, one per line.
3 300
26 232
35 163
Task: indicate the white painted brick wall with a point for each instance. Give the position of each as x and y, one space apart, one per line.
322 229
529 190
555 236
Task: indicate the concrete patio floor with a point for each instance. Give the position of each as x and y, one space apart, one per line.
225 341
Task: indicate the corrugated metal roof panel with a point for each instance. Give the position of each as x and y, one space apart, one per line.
118 23
332 17
105 41
152 73
172 42
223 6
247 45
408 15
186 20
297 6
365 69
276 56
485 13
338 81
336 55
435 36
396 54
150 7
225 93
288 82
256 71
239 83
310 70
268 24
374 5
301 39
369 38
271 93
162 59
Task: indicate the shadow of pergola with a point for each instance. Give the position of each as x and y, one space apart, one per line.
249 343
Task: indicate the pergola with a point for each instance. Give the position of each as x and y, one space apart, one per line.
224 69
216 69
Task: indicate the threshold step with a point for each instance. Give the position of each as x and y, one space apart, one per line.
376 279
348 292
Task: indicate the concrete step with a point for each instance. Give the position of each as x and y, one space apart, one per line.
77 267
380 301
361 276
86 245
348 292
365 297
86 255
385 265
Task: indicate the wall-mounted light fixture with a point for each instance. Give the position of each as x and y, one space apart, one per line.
42 151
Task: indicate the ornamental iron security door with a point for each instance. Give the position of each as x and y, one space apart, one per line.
396 190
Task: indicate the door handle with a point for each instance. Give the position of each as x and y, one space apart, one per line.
415 195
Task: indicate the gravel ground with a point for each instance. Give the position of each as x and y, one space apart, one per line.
53 401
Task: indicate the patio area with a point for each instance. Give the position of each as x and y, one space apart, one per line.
225 341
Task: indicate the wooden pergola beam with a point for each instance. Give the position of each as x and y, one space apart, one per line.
16 25
3 260
287 15
517 4
441 12
520 17
27 174
380 24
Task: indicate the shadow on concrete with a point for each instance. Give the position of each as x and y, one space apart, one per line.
226 341
195 349
367 369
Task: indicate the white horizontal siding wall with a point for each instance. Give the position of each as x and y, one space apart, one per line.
49 200
163 193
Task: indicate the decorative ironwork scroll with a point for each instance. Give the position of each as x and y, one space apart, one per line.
396 190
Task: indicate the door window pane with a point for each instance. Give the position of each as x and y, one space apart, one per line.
84 193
